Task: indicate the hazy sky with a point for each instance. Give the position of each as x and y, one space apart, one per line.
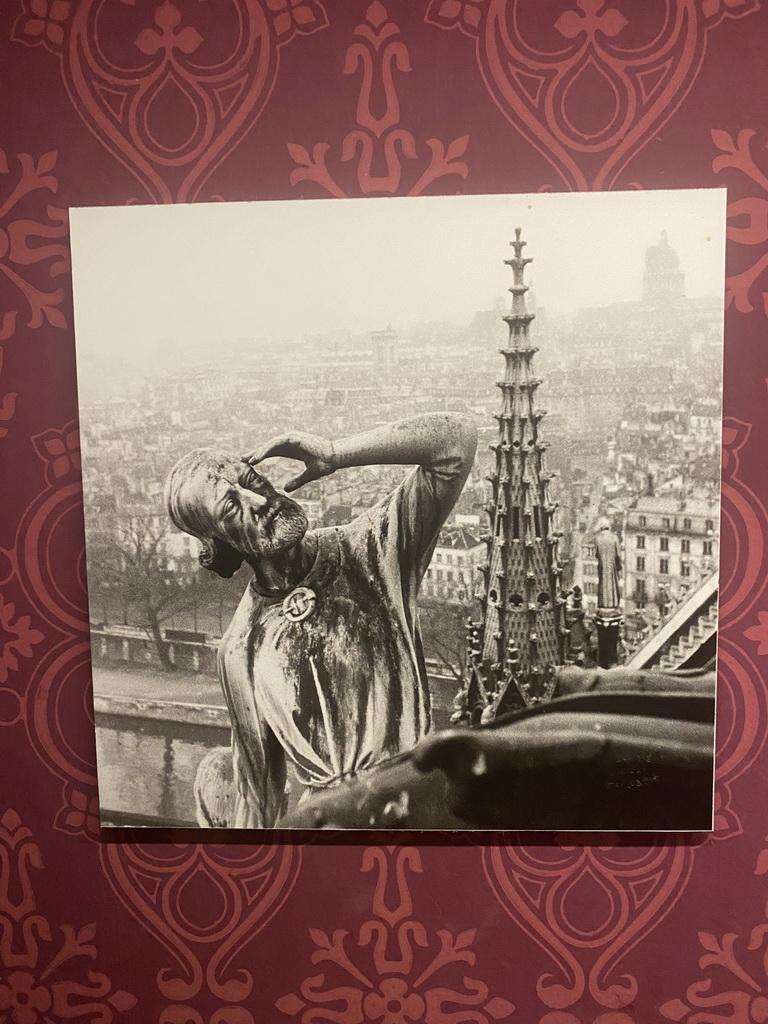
144 274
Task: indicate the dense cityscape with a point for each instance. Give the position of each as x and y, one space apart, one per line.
632 396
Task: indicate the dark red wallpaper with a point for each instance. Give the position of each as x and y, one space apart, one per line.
124 101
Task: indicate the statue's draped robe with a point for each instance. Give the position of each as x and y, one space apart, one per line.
346 688
609 569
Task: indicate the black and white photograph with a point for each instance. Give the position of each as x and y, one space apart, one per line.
404 513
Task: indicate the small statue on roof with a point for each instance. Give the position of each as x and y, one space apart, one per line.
608 565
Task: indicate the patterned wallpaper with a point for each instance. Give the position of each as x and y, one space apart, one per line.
126 101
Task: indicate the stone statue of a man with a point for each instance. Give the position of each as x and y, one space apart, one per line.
322 663
608 566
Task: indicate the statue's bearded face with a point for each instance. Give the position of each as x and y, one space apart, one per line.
249 514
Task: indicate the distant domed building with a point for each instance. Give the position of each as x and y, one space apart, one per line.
663 280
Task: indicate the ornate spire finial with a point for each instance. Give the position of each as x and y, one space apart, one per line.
518 264
517 245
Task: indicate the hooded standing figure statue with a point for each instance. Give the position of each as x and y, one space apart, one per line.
608 618
608 566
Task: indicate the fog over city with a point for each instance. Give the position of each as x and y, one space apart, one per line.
261 272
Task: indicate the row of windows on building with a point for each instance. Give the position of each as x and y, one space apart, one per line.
445 593
448 558
685 545
451 575
640 566
644 564
666 523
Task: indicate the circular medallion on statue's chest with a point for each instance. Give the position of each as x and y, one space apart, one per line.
299 604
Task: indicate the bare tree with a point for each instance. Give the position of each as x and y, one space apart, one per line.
132 560
444 635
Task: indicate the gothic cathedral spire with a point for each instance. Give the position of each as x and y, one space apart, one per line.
515 649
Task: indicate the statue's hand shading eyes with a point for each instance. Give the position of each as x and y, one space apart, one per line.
315 452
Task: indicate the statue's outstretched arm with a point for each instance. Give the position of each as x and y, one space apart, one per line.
442 442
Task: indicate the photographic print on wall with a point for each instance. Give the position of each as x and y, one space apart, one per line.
404 513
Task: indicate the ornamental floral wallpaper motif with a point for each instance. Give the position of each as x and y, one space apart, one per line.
160 101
